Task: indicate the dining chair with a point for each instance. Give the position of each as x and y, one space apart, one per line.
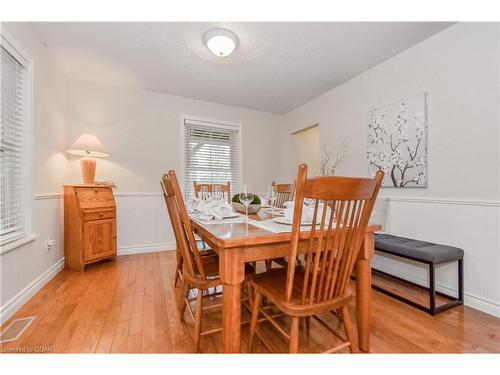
179 258
225 189
322 284
285 192
198 271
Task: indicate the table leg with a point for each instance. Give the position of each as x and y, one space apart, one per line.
231 314
364 291
232 271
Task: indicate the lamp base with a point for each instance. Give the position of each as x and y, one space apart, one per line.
88 170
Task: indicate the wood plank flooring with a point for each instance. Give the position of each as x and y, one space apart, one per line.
128 306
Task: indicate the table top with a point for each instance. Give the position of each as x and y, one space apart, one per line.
241 234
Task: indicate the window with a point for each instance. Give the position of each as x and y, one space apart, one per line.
14 149
211 154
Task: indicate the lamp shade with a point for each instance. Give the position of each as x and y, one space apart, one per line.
87 145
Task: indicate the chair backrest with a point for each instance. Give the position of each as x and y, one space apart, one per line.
181 225
285 192
335 238
225 189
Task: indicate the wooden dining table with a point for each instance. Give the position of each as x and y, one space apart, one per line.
239 243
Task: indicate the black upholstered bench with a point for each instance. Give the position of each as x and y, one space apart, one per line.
423 252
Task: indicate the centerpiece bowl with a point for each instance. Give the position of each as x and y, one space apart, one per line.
253 207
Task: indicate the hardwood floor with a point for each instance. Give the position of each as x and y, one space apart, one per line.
128 306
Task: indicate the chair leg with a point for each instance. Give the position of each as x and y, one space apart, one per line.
269 265
253 322
178 269
294 335
176 279
197 320
182 299
346 319
308 324
250 292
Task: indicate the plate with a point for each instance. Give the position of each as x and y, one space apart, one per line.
276 211
203 217
230 216
283 220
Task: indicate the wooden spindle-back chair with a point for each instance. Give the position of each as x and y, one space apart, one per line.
285 192
333 246
202 252
225 189
200 269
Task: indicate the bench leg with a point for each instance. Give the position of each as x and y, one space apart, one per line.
432 309
432 289
461 280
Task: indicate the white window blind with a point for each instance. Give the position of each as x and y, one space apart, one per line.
212 155
12 163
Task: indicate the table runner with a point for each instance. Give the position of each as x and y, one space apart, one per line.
271 226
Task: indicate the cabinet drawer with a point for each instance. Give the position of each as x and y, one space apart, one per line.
95 197
96 215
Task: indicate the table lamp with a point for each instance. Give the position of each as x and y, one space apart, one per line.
90 147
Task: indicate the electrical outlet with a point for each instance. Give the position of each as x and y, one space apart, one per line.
51 244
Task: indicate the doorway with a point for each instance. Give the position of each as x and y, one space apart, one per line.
306 149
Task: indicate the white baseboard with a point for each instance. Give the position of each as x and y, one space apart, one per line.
141 249
12 306
479 303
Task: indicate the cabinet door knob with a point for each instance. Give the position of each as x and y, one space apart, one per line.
95 190
101 214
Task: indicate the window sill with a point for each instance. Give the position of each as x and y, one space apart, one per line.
14 245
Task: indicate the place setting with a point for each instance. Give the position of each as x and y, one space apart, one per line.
210 207
283 222
212 211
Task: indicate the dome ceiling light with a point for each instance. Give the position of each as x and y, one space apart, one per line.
221 42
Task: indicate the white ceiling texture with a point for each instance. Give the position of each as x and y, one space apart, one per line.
277 66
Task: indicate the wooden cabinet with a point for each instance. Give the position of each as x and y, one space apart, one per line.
89 225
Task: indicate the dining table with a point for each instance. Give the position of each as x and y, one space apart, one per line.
243 241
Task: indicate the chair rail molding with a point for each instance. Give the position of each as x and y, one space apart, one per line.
117 194
138 195
39 197
457 202
460 202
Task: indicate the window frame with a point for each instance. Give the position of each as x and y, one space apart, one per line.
11 45
222 124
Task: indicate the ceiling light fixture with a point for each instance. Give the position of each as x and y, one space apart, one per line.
221 42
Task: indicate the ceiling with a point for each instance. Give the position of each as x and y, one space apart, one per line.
277 66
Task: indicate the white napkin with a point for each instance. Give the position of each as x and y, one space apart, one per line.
192 205
209 209
307 213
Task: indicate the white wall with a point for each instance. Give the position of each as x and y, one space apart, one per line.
141 130
459 69
25 269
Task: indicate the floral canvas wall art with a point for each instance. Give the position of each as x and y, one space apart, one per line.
397 142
